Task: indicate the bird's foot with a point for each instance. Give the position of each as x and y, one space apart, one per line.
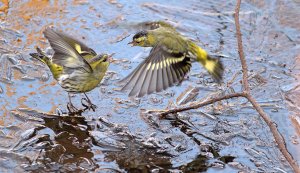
88 105
73 110
59 112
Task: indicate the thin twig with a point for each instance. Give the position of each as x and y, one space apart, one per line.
240 47
201 104
230 82
246 93
278 137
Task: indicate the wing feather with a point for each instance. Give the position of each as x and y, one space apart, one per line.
160 79
80 47
170 76
139 82
153 83
133 78
65 55
160 70
130 76
165 77
146 82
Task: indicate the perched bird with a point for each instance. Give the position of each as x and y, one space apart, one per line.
168 62
76 67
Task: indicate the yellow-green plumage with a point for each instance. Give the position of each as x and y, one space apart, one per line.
54 68
168 62
77 68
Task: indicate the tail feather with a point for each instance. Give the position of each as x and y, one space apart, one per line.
214 67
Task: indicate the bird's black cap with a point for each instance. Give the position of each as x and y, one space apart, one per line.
140 34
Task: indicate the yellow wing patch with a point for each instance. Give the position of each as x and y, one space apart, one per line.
161 64
175 60
153 66
149 65
157 66
78 48
165 63
168 62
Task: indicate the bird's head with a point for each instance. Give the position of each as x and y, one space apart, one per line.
106 58
101 62
143 39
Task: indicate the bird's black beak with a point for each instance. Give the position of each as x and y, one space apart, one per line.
110 57
132 43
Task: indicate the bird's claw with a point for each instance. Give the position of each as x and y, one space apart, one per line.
71 107
89 104
73 110
59 112
83 104
93 107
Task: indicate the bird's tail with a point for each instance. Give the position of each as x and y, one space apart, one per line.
56 69
213 65
40 55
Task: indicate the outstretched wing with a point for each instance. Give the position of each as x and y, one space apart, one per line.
65 55
162 69
80 47
156 25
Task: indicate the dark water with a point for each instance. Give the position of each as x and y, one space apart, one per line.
120 137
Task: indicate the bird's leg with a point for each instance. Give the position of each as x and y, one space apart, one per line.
70 106
86 107
91 105
59 112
